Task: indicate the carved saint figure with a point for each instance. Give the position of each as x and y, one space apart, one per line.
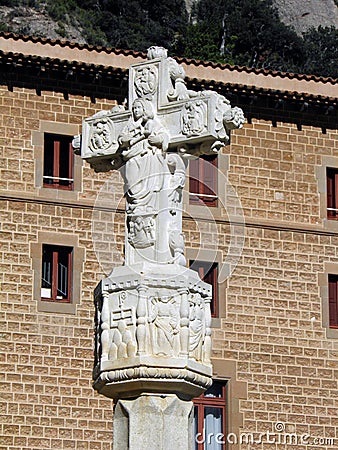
164 324
143 144
197 326
101 137
177 167
146 81
141 231
193 118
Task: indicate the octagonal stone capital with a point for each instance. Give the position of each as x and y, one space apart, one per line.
153 332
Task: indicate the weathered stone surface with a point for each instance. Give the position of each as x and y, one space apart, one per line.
153 314
153 422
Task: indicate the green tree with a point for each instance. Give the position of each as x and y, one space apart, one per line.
246 33
139 24
321 50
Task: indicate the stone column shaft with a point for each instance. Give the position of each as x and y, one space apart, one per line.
153 422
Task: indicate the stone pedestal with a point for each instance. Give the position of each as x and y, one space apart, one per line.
153 422
153 332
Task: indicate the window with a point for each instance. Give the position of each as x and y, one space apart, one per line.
58 162
208 272
203 180
210 418
332 193
333 301
56 274
46 276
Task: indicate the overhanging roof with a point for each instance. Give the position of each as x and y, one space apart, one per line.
78 69
73 54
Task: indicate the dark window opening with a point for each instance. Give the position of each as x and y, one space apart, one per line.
56 273
332 193
58 162
333 301
203 180
208 272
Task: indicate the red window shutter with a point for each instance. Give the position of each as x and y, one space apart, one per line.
201 273
335 202
209 179
209 175
203 180
329 189
211 278
70 274
332 193
57 262
214 399
56 165
194 180
333 301
71 160
58 162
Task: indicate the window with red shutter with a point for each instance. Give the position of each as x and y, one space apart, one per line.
203 180
333 301
208 272
332 193
210 418
56 274
58 162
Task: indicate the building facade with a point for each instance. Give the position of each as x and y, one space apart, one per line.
260 224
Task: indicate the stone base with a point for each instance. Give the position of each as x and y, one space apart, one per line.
153 332
153 422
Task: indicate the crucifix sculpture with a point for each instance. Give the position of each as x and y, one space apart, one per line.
153 337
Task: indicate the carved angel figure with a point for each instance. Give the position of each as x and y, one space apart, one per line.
100 135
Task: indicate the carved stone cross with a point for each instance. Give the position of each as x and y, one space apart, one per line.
153 336
150 143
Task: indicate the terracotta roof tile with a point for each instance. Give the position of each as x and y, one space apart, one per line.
188 62
275 73
68 44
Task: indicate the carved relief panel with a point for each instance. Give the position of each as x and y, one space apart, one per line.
118 326
159 322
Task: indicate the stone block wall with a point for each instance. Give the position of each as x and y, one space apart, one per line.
274 170
271 339
47 358
274 325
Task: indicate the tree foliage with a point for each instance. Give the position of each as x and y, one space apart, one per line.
321 52
247 32
139 24
250 33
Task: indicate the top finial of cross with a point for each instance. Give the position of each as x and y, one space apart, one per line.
155 52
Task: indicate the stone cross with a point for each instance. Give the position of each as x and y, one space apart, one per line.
153 336
150 143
